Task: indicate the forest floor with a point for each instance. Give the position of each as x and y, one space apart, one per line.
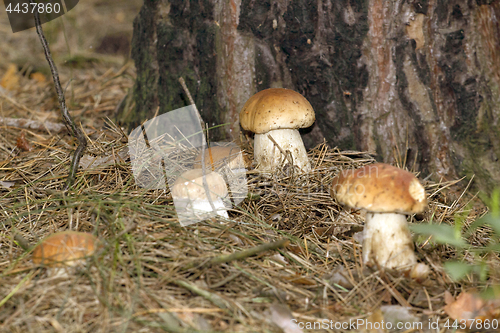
150 274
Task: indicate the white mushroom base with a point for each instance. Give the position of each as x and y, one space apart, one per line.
387 241
268 157
193 211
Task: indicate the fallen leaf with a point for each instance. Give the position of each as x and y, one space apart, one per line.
38 77
277 257
22 143
283 318
324 231
469 306
464 307
6 184
295 249
398 314
10 80
448 297
236 239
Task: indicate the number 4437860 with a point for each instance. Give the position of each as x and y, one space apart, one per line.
28 7
472 324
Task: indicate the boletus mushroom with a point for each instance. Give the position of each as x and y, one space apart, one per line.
229 161
278 113
66 248
219 157
388 194
192 202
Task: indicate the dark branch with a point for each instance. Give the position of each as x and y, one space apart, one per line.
70 124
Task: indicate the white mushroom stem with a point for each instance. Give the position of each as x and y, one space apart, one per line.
202 206
192 202
268 157
387 241
194 210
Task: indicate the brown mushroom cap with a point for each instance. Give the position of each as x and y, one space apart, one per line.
379 188
64 248
219 156
189 185
276 108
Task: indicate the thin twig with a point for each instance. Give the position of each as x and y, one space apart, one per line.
70 124
248 253
214 298
238 255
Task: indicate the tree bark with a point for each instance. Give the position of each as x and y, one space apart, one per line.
415 81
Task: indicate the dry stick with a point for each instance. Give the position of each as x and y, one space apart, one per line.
204 178
248 253
224 281
33 124
70 124
240 255
214 298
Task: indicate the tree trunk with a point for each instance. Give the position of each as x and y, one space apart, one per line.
414 81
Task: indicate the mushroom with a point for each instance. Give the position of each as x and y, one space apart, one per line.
192 201
217 157
67 248
279 113
387 193
229 162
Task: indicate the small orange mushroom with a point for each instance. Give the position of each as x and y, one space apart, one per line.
67 248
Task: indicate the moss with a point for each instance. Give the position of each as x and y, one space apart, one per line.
479 157
174 47
207 102
180 45
145 89
473 93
